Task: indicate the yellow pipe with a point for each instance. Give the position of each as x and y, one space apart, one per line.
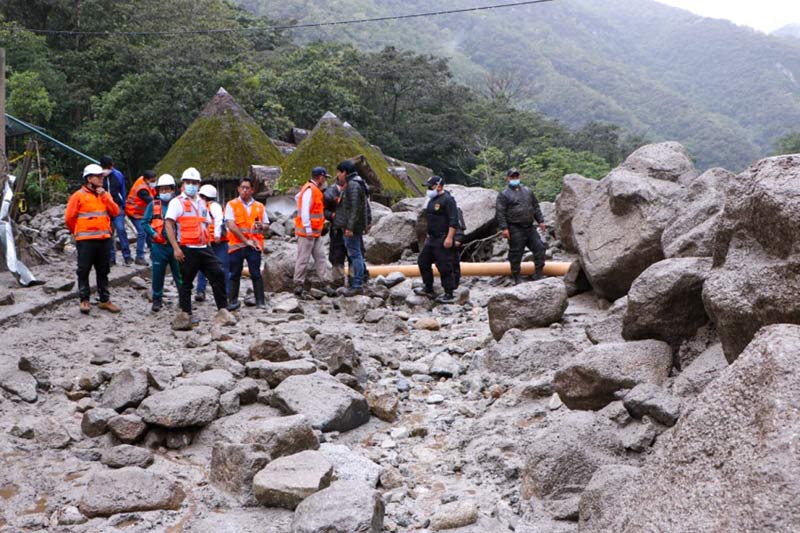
551 268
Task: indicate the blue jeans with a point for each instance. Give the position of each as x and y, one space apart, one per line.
142 238
355 252
220 249
118 225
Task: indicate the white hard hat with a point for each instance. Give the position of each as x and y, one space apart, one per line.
190 173
165 180
209 191
93 170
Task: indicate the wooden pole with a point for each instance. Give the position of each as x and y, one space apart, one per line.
22 175
3 158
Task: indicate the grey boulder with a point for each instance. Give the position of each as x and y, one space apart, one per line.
181 407
275 373
646 399
325 401
574 189
18 383
344 507
527 305
287 481
389 236
129 490
127 455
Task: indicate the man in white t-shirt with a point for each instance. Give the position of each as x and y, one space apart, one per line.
187 222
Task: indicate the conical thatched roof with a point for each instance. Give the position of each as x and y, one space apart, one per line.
330 142
222 142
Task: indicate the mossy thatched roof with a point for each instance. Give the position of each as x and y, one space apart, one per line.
222 142
329 143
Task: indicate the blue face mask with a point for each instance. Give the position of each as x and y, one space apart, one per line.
165 196
433 194
514 182
190 189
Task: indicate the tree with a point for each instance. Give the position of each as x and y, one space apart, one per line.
547 170
28 98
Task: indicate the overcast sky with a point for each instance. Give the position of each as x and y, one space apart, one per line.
764 15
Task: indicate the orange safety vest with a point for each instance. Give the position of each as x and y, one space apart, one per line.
317 212
93 220
192 225
158 222
245 222
135 206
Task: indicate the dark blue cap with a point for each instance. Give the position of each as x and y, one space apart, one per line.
319 171
434 181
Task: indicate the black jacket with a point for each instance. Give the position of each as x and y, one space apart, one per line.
331 198
354 213
517 205
442 214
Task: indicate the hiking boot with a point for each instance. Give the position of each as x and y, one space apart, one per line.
233 306
425 291
299 291
85 307
516 279
129 260
200 297
537 276
353 291
141 261
446 298
329 291
156 305
109 306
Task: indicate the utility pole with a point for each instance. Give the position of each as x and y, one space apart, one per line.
3 158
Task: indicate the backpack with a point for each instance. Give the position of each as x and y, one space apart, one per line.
461 230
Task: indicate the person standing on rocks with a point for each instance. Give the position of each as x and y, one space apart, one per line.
517 210
247 221
337 253
114 183
88 217
161 252
219 240
441 214
354 217
139 197
308 226
187 224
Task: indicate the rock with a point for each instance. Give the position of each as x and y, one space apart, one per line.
383 404
523 354
328 404
666 301
639 437
6 298
24 428
428 323
755 279
444 365
129 490
701 372
287 481
618 228
598 372
18 383
289 305
275 373
229 403
50 433
337 352
413 204
248 520
278 272
454 514
223 317
69 516
278 437
127 428
575 280
268 349
181 407
528 305
434 399
344 507
389 236
233 467
127 455
235 351
606 486
247 389
356 307
574 189
182 322
478 207
692 230
730 462
378 211
36 364
646 399
609 329
222 380
95 421
350 465
392 279
126 389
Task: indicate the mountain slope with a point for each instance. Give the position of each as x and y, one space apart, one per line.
725 91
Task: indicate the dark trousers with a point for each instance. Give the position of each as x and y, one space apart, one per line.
446 260
201 260
253 258
337 252
521 237
93 253
220 249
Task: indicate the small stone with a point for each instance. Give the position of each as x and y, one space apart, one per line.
453 515
247 389
344 506
388 444
126 389
23 428
287 305
444 366
127 455
235 351
6 298
399 433
427 323
84 404
181 407
127 428
383 404
19 383
95 421
69 516
275 373
102 357
351 465
229 403
138 283
222 380
270 350
351 381
434 399
218 334
555 402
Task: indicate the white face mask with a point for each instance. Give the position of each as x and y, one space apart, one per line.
190 189
433 194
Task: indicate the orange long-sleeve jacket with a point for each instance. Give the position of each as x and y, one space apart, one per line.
88 215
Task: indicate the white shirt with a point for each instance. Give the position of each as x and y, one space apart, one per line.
247 205
305 212
175 210
218 216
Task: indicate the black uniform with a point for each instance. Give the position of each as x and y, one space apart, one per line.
442 214
517 210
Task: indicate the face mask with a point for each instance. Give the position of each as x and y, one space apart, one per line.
190 190
433 194
165 196
514 183
151 184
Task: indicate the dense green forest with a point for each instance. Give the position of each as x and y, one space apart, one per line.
132 96
727 92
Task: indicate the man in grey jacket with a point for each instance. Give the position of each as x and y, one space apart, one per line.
517 210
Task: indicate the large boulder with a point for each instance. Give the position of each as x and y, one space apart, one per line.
606 486
756 276
702 371
126 389
327 403
181 407
278 270
344 507
527 305
19 383
390 236
618 228
692 230
732 461
129 490
574 189
524 354
599 372
478 207
287 481
337 352
666 301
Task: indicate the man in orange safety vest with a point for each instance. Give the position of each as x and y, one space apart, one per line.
308 226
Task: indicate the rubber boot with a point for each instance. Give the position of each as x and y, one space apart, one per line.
516 278
233 297
538 275
258 288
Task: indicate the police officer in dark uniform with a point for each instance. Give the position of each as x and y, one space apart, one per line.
442 217
517 210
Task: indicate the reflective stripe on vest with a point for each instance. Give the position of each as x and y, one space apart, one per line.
93 220
316 212
192 225
158 222
245 222
135 206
